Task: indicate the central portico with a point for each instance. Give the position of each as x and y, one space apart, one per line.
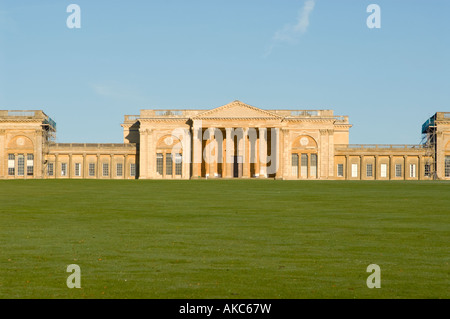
235 140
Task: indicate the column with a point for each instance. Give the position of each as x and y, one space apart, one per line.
347 167
83 168
331 167
245 161
39 156
111 161
375 168
196 151
150 166
186 155
229 152
143 150
391 162
124 168
286 154
98 166
55 169
262 152
405 169
70 165
439 157
256 154
212 158
361 163
275 154
419 167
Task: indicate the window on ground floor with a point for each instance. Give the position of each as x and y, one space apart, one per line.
119 169
159 163
63 169
427 169
383 170
340 170
91 169
354 170
314 165
30 164
132 169
178 164
77 169
412 170
447 166
304 165
20 165
50 169
169 163
105 169
11 164
294 161
398 170
369 170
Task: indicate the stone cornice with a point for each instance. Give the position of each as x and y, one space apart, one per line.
308 119
16 120
169 119
237 118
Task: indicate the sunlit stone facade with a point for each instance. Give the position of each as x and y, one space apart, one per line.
235 140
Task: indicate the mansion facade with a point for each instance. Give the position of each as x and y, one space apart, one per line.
235 140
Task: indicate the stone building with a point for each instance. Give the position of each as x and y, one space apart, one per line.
235 140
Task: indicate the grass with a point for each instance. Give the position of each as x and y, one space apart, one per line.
224 239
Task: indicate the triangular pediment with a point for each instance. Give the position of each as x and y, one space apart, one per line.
237 110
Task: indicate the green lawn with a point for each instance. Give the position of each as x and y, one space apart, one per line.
224 238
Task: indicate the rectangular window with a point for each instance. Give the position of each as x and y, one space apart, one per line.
77 169
30 164
447 166
340 170
119 169
11 164
354 170
50 169
383 170
314 165
294 160
369 170
91 169
105 169
159 163
169 164
20 165
63 169
427 170
178 164
398 170
304 165
132 169
412 170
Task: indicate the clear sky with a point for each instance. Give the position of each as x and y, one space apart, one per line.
201 54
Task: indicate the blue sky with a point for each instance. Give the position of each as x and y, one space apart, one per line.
201 54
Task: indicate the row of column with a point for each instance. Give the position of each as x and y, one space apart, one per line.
243 154
85 169
391 168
